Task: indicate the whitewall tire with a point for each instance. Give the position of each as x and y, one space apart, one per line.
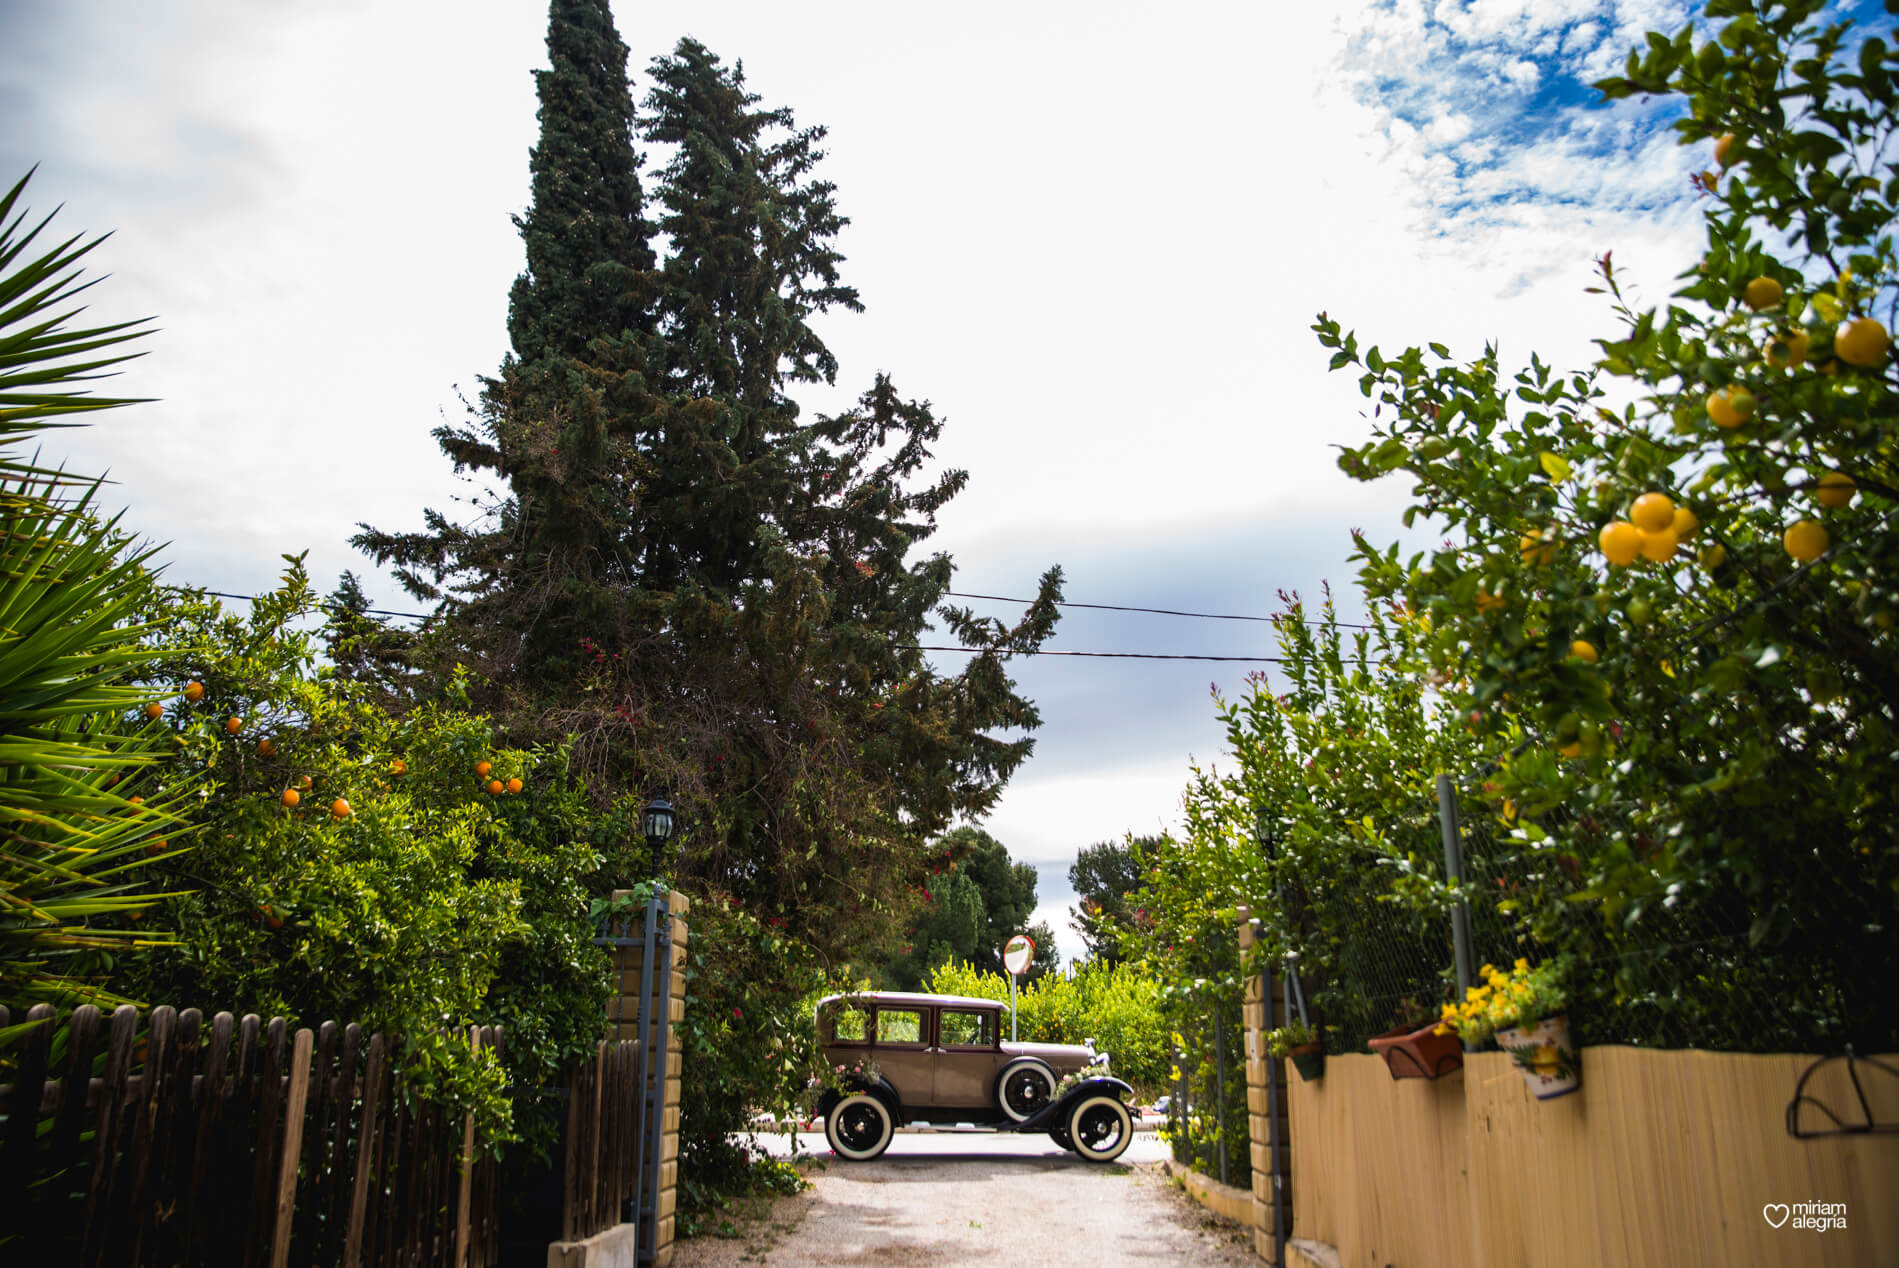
858 1127
1100 1128
1024 1088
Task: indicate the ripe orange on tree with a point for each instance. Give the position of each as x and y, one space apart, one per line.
1652 512
1806 540
1763 292
1659 546
234 725
398 767
482 768
291 798
194 691
1835 490
1684 524
1536 548
1786 350
154 711
339 809
494 787
266 746
1862 343
514 785
1731 406
1621 542
1583 650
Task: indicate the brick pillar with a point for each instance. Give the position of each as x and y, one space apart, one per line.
623 1023
1258 1019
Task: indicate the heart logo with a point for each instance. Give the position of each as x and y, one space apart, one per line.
1776 1213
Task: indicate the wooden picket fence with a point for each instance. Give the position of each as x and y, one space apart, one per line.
601 1166
240 1143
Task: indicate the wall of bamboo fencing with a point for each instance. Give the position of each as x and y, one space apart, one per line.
237 1143
1665 1158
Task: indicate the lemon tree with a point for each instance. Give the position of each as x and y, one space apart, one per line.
1711 505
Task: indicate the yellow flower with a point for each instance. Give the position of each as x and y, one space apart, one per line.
1487 970
1523 966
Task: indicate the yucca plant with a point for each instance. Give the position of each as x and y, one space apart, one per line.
80 801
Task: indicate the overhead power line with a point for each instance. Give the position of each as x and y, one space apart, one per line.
973 651
1046 651
1117 607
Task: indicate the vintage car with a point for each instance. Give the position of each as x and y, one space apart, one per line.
899 1058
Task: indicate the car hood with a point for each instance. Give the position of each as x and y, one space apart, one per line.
1062 1056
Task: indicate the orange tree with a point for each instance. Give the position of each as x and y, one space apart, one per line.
1667 594
399 871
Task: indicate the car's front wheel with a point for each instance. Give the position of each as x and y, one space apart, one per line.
1025 1088
1100 1127
859 1127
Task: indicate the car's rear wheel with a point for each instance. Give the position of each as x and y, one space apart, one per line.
1100 1127
1025 1088
859 1127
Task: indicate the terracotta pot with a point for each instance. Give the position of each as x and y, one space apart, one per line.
1420 1053
1543 1053
1309 1061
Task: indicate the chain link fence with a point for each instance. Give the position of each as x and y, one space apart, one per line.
1206 1122
1787 964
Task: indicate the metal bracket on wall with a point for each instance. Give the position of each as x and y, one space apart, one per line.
1868 1127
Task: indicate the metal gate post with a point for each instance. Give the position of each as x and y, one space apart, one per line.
1454 873
1273 1142
1219 1052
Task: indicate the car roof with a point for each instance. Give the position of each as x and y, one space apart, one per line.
911 999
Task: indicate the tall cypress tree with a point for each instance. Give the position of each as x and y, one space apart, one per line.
709 595
565 422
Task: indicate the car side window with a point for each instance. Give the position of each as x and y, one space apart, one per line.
967 1029
899 1025
847 1024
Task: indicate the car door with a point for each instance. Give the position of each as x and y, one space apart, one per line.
967 1057
901 1049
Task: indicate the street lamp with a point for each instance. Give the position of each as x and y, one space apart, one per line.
656 822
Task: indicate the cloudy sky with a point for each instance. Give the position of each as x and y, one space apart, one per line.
1093 235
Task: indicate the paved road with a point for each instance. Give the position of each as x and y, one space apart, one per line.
947 1197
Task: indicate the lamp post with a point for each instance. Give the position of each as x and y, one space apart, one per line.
656 823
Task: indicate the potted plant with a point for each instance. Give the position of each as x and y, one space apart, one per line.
1300 1042
1523 1011
1419 1047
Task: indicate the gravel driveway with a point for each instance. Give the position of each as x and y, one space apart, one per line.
991 1199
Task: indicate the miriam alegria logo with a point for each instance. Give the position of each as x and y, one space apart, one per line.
1815 1216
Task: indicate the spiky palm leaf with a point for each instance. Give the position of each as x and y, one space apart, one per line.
74 753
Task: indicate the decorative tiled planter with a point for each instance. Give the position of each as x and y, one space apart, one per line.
1544 1054
1420 1053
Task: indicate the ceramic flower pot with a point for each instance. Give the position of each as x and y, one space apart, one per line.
1309 1061
1544 1054
1419 1053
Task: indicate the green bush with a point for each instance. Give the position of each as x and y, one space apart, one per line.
750 1044
1118 1006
